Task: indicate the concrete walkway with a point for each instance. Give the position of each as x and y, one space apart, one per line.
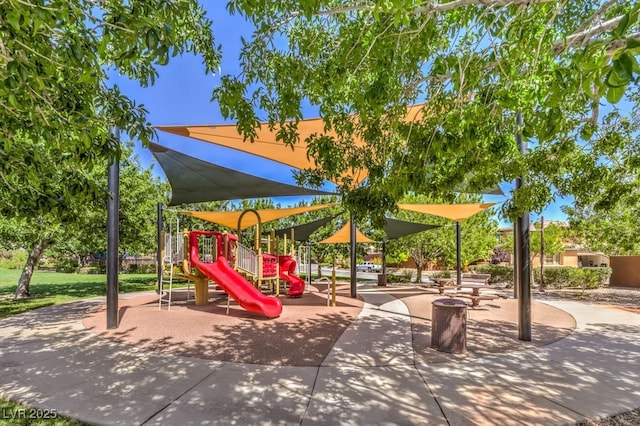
49 361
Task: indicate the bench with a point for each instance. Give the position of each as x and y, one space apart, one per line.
442 283
476 278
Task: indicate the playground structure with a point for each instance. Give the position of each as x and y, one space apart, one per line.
213 263
241 272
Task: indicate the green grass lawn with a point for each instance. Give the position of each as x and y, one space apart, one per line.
14 414
50 288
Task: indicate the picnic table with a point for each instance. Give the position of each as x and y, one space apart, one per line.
466 279
474 284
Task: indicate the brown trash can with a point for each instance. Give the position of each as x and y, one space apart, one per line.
382 280
449 326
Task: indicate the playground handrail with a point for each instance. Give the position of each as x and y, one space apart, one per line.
247 260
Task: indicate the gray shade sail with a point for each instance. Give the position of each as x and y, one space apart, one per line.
194 181
304 231
395 228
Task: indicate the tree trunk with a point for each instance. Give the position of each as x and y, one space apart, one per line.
319 269
419 273
22 290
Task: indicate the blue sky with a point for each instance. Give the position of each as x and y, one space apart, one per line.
182 95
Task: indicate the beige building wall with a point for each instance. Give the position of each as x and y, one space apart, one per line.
569 258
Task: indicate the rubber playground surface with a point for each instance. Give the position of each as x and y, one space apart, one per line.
308 328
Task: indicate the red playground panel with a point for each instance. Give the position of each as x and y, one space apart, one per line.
269 262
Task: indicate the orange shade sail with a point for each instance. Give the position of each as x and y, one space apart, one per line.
249 219
266 144
457 212
344 236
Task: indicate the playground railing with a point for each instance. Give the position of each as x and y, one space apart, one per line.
208 253
247 260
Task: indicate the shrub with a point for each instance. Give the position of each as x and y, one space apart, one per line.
140 269
499 274
404 277
499 255
556 276
13 260
568 276
67 265
89 270
442 274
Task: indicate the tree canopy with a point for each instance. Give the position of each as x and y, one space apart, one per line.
476 64
608 219
56 58
79 230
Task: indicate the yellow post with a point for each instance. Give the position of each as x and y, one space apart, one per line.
284 248
201 284
276 253
260 271
272 242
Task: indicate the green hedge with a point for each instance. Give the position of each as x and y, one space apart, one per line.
404 277
567 276
554 276
499 274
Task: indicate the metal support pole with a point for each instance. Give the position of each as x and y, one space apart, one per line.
113 231
160 245
516 257
524 288
524 261
384 257
458 254
541 253
352 252
309 264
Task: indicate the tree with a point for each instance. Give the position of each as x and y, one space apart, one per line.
476 64
609 220
613 231
56 58
80 229
35 233
140 192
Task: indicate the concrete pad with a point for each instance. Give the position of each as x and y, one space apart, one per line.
469 394
127 388
377 337
586 314
372 396
577 372
581 390
244 395
49 361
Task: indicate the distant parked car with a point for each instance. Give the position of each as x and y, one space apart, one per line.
368 267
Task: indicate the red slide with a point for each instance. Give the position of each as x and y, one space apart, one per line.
296 284
237 287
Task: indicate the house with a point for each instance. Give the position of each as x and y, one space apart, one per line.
572 255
